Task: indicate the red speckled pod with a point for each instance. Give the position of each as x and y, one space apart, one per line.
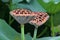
22 15
40 19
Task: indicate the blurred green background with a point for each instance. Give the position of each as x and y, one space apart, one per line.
49 7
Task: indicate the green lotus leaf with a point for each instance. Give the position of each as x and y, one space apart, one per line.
51 7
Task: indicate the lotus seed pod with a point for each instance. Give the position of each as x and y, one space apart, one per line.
22 16
40 19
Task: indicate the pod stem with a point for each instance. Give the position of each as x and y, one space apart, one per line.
52 27
22 32
35 33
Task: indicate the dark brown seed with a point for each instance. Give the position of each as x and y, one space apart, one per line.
37 21
40 20
14 11
25 13
46 15
40 17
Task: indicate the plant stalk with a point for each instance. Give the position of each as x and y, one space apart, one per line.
52 27
22 32
42 32
10 19
35 33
